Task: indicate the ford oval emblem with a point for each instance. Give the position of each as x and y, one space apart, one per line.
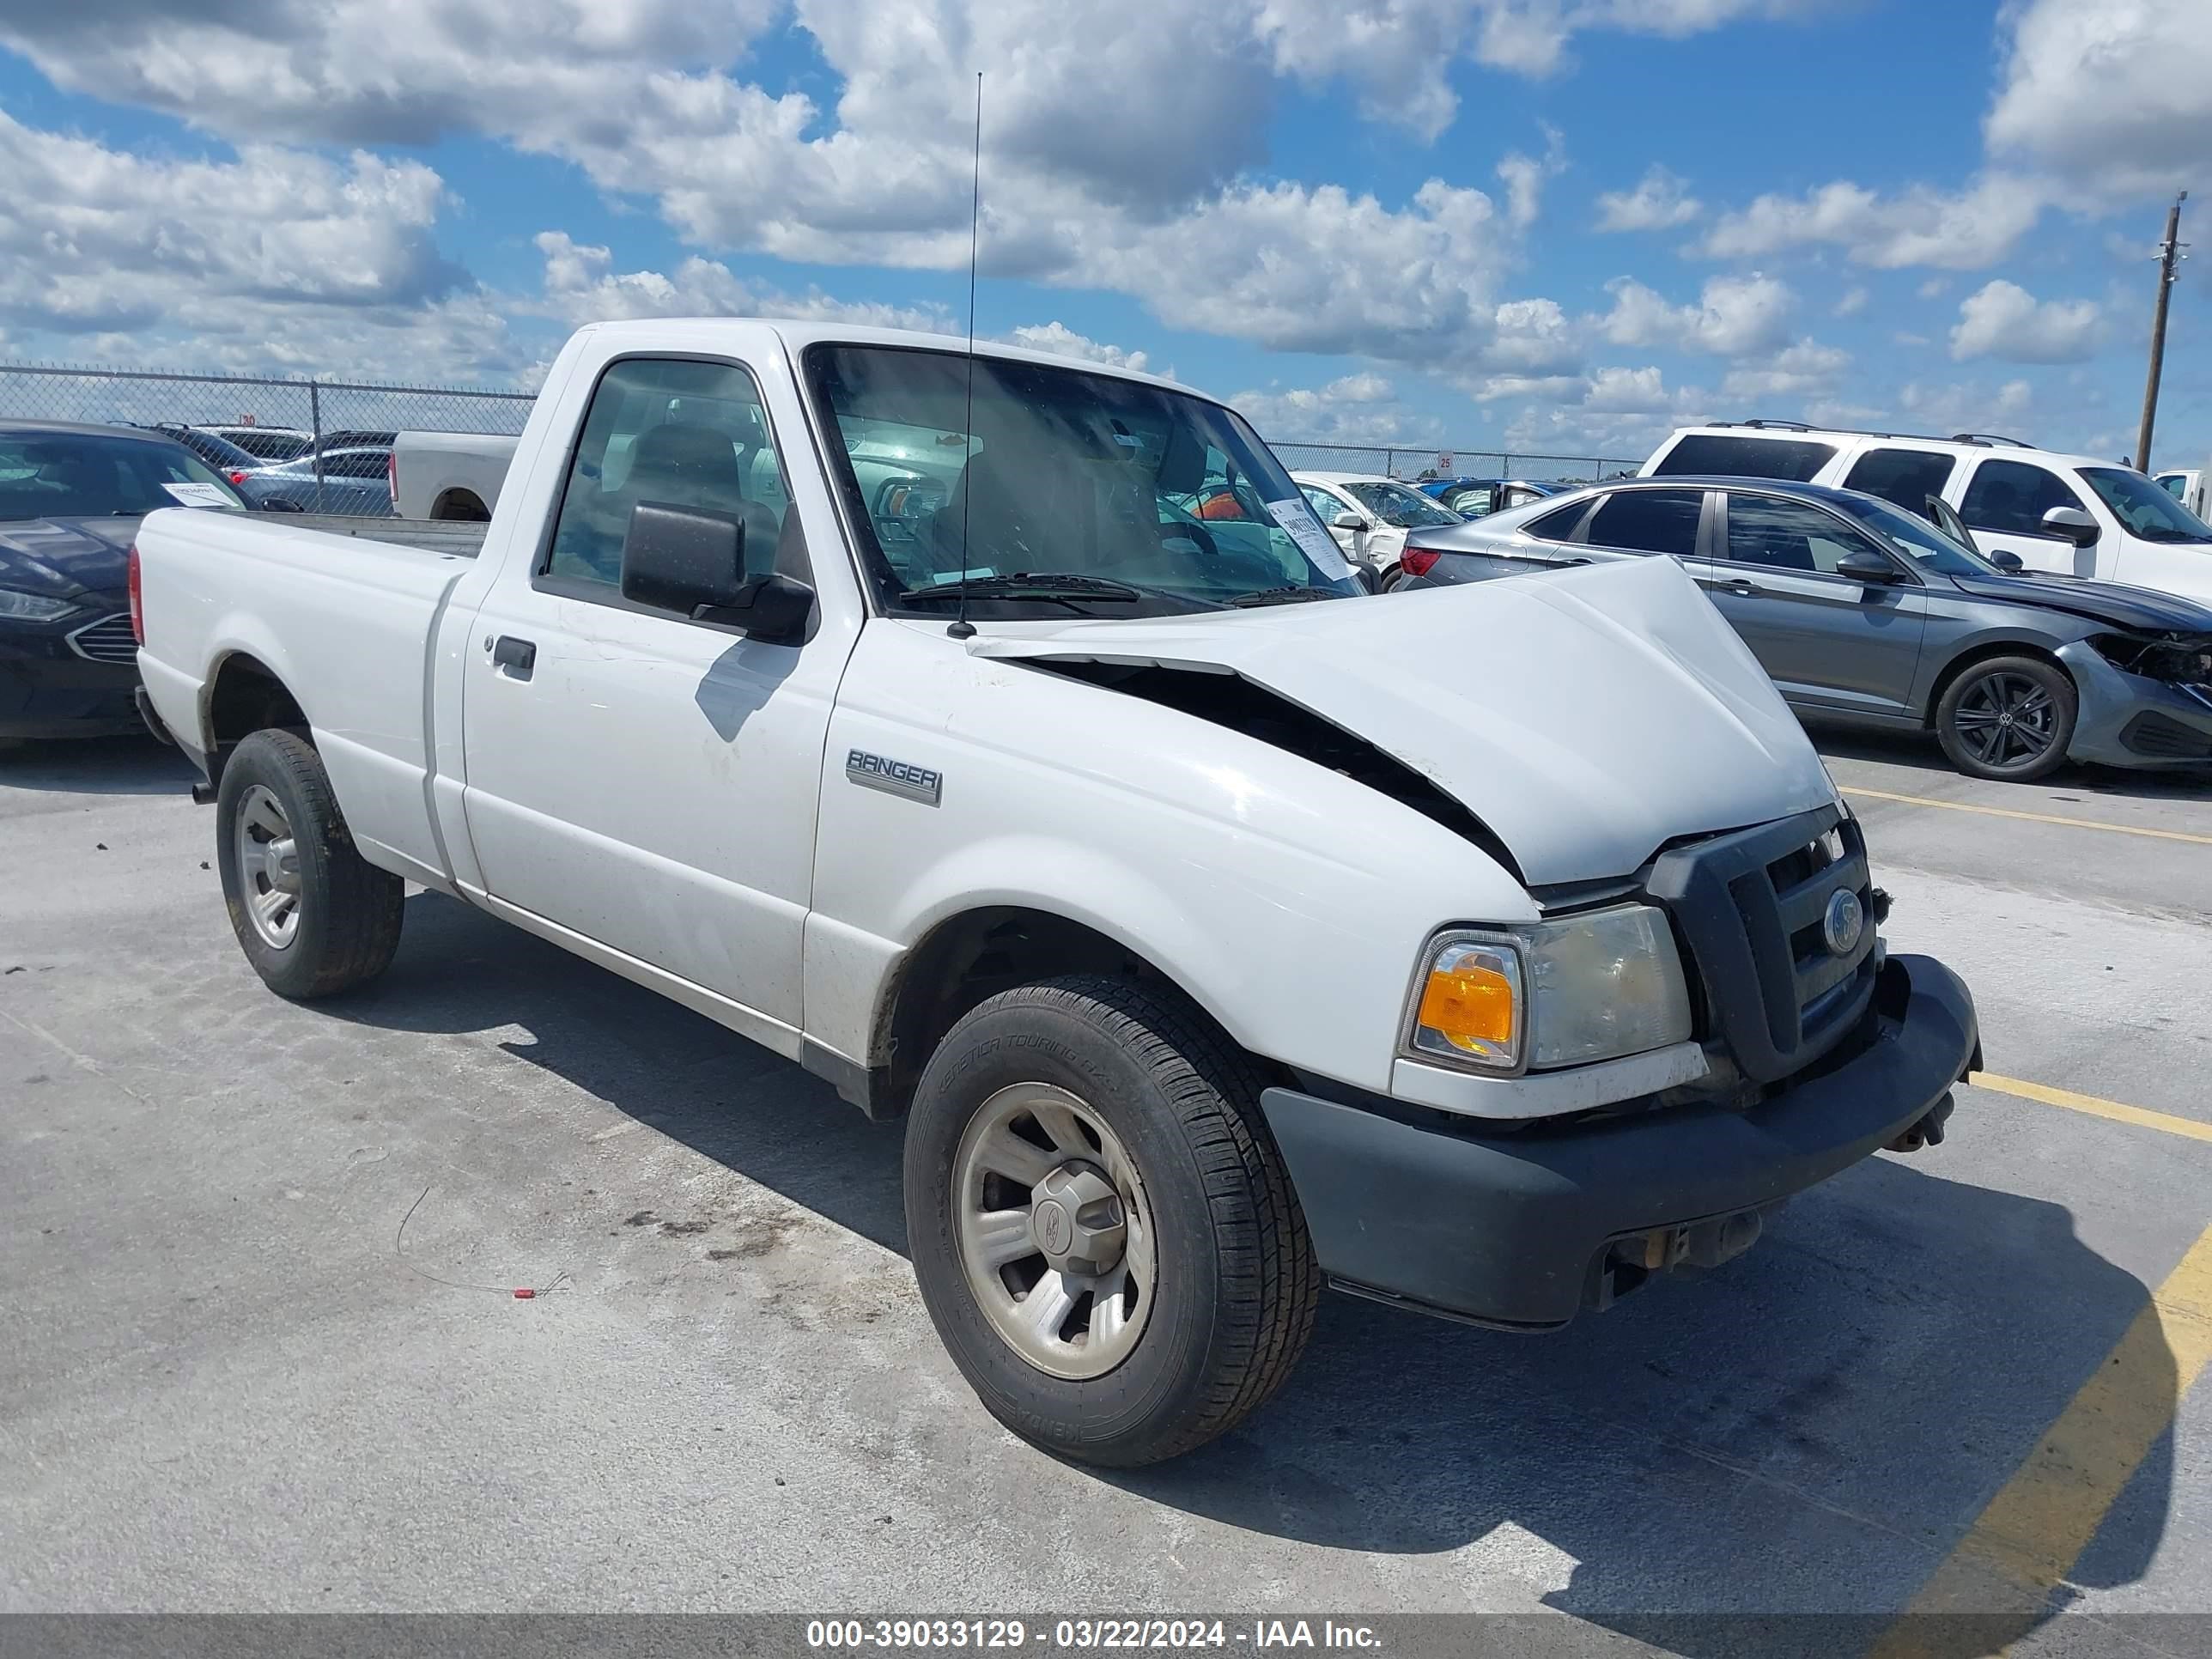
1843 922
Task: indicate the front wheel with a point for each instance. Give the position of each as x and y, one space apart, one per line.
313 916
1102 1227
2008 719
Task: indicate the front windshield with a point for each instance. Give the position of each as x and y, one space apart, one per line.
2143 508
1164 498
1400 507
1921 541
87 474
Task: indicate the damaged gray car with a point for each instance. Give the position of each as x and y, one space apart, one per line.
1863 613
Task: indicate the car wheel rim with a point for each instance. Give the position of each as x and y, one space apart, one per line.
2008 722
268 867
1054 1230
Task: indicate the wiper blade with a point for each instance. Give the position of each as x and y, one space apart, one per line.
1291 593
1025 585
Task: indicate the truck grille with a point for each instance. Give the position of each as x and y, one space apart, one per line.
107 640
1753 906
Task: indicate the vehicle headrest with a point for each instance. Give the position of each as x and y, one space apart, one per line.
673 447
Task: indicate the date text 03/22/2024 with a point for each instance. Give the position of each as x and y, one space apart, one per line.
1089 1635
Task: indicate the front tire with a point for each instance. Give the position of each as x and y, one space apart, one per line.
2008 719
314 917
1101 1225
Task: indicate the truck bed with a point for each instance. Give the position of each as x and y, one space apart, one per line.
431 535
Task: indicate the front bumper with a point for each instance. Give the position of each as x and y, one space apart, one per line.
60 694
2131 720
1523 1229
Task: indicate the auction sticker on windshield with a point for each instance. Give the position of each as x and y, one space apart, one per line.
198 494
1296 519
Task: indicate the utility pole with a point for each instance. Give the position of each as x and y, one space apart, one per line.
2169 255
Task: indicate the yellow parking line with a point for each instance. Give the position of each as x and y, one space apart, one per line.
2024 1542
2095 1107
2032 818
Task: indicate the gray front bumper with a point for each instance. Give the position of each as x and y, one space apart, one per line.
2119 710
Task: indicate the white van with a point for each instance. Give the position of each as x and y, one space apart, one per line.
2069 515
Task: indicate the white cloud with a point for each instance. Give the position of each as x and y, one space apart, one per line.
276 258
2004 320
582 285
1525 177
1955 407
1733 316
1659 201
1064 341
1921 226
2116 95
1626 391
1801 370
1853 302
1357 409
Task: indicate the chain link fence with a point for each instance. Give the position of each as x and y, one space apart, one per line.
310 446
321 446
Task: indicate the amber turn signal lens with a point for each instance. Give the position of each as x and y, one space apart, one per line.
1469 1001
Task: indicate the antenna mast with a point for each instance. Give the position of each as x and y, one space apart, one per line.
962 629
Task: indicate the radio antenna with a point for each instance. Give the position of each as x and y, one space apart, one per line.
962 629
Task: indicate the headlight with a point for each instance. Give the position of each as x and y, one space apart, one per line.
1564 992
34 607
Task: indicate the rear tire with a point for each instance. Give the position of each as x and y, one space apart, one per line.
2007 719
314 917
1170 1110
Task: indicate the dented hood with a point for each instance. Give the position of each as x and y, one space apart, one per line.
1587 716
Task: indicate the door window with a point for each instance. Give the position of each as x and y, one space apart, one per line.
1323 503
1787 535
677 434
1712 453
1903 478
2010 498
1648 521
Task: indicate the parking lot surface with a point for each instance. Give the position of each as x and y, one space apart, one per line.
232 1379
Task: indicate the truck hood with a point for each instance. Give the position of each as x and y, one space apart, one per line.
61 558
1587 716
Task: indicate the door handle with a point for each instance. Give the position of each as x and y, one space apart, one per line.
519 658
1741 588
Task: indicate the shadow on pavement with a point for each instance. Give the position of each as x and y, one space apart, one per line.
1921 753
1805 1433
95 766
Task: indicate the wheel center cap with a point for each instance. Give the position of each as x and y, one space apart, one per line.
1054 1230
1077 1219
2004 720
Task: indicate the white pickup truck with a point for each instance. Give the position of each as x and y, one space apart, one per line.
1217 928
448 477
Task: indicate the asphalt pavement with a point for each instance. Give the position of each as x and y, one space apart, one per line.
232 1380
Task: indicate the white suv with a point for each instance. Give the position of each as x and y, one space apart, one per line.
2065 514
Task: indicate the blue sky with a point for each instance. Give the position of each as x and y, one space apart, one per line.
1546 225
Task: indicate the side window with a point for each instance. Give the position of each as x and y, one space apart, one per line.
1903 478
2175 484
1323 503
1785 535
2011 497
678 434
1649 521
1560 525
1709 454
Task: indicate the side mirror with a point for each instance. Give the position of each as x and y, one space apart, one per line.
682 559
2071 523
1865 568
1351 521
2008 562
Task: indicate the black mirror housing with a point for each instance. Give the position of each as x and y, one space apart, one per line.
1865 568
679 558
693 562
2006 562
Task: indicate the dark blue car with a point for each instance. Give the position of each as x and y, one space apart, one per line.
71 500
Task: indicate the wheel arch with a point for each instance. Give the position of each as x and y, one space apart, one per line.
244 695
459 504
1988 650
973 954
